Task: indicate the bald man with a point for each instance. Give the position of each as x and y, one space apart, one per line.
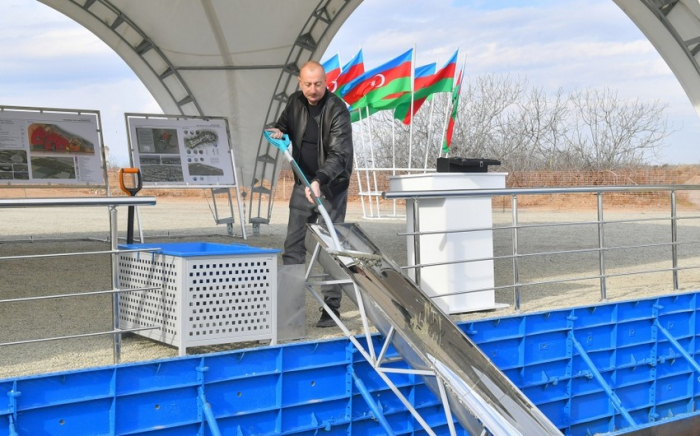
318 124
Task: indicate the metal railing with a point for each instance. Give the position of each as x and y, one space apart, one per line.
111 203
370 195
516 258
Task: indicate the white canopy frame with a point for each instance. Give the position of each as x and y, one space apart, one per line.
238 58
234 58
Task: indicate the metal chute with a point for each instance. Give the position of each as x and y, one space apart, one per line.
472 388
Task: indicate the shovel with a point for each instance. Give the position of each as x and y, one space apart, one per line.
132 191
291 304
283 146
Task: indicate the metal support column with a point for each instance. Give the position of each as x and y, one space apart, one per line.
516 272
416 239
601 248
674 240
114 241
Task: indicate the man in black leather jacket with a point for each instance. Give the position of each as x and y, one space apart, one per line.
318 125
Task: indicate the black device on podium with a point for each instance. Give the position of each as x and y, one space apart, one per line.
464 165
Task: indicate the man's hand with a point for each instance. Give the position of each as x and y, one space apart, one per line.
317 191
275 133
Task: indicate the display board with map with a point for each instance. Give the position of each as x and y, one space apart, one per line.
181 151
41 146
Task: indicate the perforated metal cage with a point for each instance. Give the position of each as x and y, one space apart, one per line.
205 294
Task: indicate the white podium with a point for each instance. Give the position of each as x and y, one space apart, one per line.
455 213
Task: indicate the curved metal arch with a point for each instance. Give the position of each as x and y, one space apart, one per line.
118 20
313 39
175 94
673 27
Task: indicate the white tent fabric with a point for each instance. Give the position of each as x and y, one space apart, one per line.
215 57
673 27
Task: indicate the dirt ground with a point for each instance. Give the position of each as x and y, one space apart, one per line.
36 231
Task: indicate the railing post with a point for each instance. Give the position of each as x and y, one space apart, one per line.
674 240
114 241
416 240
601 246
516 273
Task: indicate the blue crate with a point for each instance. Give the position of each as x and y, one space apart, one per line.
195 249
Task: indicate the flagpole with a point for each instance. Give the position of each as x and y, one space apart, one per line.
410 108
458 83
430 126
444 125
364 152
393 154
374 173
359 177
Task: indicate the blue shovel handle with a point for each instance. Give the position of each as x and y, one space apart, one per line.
282 144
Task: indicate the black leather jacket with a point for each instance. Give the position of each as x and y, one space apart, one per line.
335 152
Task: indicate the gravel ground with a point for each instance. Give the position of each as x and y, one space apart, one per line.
63 230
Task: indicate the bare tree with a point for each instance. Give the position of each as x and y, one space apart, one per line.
608 133
525 128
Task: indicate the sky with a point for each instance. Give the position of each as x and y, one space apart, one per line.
47 60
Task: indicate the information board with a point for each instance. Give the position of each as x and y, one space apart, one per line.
181 151
40 146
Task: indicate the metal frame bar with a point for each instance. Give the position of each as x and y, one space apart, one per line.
614 399
550 253
111 203
445 193
303 49
601 245
82 294
414 197
674 240
116 332
82 253
416 239
574 279
516 266
537 226
370 194
146 45
375 361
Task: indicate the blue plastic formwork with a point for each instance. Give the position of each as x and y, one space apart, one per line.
294 389
606 369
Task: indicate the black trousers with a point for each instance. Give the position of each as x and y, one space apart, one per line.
301 213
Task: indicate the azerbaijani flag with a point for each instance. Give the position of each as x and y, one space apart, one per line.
421 79
425 85
453 115
381 85
391 101
332 69
352 70
361 113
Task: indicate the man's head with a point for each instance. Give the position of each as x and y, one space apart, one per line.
312 81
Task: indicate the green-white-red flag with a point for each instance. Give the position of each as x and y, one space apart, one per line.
453 116
425 84
380 86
